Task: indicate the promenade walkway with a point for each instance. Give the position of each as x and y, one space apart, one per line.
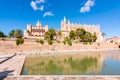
5 57
12 67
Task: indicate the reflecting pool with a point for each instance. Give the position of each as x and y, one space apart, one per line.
83 63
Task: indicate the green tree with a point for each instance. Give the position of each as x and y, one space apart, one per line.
87 37
1 34
59 34
11 33
18 33
50 34
94 37
46 35
50 42
72 35
80 33
69 42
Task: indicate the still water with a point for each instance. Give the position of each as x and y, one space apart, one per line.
83 63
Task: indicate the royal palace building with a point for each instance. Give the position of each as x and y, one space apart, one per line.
35 31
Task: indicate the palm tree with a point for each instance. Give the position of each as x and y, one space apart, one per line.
46 35
59 34
103 34
18 33
50 34
11 33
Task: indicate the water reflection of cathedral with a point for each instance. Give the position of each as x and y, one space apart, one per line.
95 67
81 63
101 56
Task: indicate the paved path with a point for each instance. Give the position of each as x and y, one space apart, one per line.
12 66
64 77
6 57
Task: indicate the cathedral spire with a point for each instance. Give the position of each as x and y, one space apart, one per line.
64 19
68 21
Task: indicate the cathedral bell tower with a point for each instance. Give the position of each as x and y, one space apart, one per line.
63 23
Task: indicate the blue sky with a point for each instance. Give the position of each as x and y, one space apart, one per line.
16 14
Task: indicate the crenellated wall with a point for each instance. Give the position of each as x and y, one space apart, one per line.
67 27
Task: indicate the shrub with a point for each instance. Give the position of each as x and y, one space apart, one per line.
64 42
58 41
90 43
85 43
50 42
41 42
19 41
98 44
66 38
76 42
3 39
37 40
69 42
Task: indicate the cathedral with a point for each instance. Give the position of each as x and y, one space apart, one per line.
66 27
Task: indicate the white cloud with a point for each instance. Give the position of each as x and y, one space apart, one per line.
40 1
87 6
48 14
42 8
34 5
39 5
